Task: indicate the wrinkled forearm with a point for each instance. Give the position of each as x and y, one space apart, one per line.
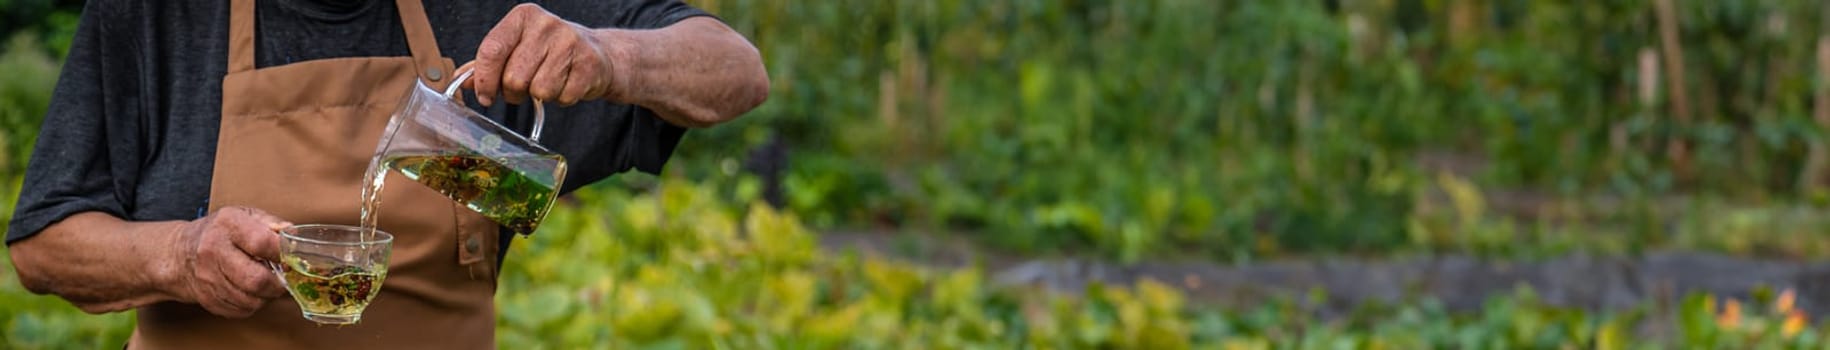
695 73
98 262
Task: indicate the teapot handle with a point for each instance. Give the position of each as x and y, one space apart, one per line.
539 108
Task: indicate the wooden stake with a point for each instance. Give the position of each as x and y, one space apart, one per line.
1812 177
1821 107
1676 149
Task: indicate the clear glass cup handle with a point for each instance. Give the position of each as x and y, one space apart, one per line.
539 108
281 273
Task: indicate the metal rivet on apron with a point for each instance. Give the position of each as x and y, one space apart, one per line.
473 244
435 74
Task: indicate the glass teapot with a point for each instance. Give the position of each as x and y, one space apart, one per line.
437 141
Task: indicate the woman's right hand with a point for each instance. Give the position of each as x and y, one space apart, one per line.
223 261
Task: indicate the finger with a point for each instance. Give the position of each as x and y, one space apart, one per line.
492 54
273 288
255 279
230 302
271 221
255 239
263 245
222 308
221 276
593 79
522 65
206 297
550 81
240 305
578 88
258 281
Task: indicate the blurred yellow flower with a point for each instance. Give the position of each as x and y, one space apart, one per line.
1795 322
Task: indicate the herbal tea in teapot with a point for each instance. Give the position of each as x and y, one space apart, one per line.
495 188
442 144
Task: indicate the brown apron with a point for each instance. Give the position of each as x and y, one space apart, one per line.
295 141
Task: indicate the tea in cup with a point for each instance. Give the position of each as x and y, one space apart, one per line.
333 271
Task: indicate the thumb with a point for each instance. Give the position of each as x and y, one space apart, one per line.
261 244
260 236
268 220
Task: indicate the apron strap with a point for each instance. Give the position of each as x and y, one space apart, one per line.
432 68
241 36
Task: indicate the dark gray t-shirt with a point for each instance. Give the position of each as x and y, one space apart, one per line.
131 129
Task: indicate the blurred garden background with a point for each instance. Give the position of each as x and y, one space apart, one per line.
1165 174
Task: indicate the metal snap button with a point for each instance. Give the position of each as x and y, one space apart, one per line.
435 74
473 244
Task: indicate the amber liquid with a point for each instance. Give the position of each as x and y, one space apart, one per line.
491 186
323 286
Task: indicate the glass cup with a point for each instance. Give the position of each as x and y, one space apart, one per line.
437 141
333 271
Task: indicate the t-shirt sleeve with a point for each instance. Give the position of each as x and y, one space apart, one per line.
601 139
69 171
625 14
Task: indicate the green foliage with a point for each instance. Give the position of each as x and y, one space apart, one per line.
680 268
1101 125
1238 129
24 95
30 321
50 21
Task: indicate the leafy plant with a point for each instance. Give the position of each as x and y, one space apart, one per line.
24 96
